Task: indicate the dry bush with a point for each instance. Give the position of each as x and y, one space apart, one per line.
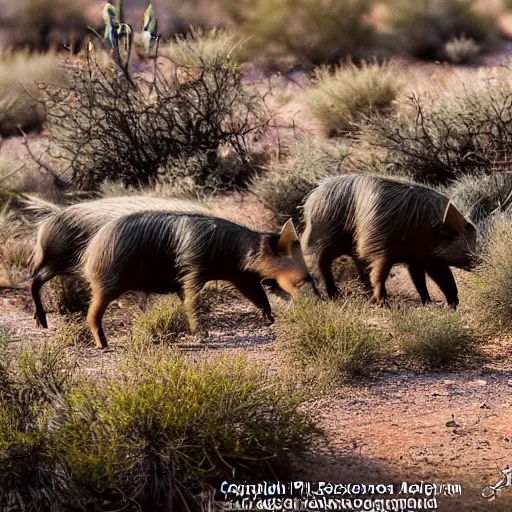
439 136
285 184
489 291
15 254
461 50
478 197
424 28
110 126
341 99
19 72
163 322
434 337
75 332
330 340
41 25
305 32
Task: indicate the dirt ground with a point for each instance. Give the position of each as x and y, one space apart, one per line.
391 429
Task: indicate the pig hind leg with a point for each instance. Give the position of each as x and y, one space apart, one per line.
40 277
97 308
380 269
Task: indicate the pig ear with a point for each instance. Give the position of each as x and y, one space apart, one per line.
453 219
287 237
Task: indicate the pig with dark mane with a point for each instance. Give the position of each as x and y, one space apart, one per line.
383 221
164 252
65 232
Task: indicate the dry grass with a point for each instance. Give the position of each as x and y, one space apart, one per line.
435 338
489 290
201 49
330 341
75 332
69 294
285 184
19 72
342 99
163 322
461 50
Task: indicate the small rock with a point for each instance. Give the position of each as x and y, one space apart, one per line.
452 423
484 406
506 439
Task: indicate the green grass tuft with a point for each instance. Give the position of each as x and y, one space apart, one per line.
434 337
163 322
342 99
333 340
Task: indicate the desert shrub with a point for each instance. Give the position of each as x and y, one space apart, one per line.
15 256
424 28
29 480
479 196
350 94
436 338
489 285
44 24
202 48
166 429
332 340
285 184
19 72
305 32
75 332
163 322
436 140
150 438
461 50
109 125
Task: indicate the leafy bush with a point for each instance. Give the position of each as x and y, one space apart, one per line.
167 429
424 28
489 286
438 140
19 72
285 184
350 94
305 32
334 340
164 321
151 438
461 50
29 482
109 125
435 337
